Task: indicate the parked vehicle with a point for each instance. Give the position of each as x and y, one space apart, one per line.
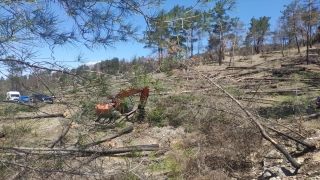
24 99
42 98
318 101
13 95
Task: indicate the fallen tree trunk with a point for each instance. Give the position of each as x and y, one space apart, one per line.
241 67
276 79
243 74
258 100
290 64
310 116
124 131
35 117
79 152
275 91
311 147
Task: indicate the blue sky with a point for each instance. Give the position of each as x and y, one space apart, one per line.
246 9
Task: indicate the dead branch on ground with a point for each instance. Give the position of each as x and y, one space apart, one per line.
310 116
78 152
124 131
34 117
240 67
275 91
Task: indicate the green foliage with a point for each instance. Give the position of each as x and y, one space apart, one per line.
158 34
82 141
170 165
175 109
11 109
102 82
108 66
120 124
236 92
170 64
190 128
129 176
24 128
73 91
138 76
258 30
88 110
156 117
7 129
126 105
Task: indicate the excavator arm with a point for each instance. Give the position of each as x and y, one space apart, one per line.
103 109
143 96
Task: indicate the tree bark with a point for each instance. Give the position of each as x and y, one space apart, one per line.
307 56
35 117
297 43
79 152
311 116
124 131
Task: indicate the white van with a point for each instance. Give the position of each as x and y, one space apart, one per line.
13 95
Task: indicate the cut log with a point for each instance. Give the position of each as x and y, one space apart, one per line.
243 74
277 79
310 116
79 152
280 72
124 131
290 65
34 117
284 91
241 67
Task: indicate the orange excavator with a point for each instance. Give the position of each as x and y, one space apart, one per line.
113 107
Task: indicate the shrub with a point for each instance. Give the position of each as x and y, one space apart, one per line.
156 117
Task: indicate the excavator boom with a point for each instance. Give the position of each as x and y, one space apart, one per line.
104 108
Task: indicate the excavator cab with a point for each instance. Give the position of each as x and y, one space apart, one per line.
113 108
